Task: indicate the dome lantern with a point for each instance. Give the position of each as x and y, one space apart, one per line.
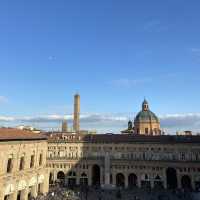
145 105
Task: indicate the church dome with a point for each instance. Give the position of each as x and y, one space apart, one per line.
146 115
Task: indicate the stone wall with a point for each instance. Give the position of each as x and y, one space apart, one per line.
20 177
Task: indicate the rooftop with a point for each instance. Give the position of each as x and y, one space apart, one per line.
10 134
124 138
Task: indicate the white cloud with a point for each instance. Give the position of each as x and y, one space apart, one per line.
6 119
108 121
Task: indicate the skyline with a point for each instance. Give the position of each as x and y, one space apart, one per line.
104 122
114 54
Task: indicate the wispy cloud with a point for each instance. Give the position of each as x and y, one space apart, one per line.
103 122
129 83
52 58
187 120
125 82
154 25
195 51
3 99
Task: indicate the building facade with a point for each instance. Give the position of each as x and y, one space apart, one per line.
125 160
23 171
140 157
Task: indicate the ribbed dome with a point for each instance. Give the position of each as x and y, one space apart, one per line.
146 116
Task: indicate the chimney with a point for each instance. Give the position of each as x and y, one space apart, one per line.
76 124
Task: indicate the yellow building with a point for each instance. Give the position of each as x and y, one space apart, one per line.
146 122
23 171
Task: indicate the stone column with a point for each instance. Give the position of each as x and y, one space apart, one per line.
152 183
101 176
165 183
1 193
89 175
78 179
126 180
54 176
139 180
114 178
164 179
66 180
193 182
34 191
13 196
107 170
179 181
46 185
24 194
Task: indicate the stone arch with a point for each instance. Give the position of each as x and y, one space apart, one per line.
171 178
71 173
132 180
61 175
186 182
96 174
83 174
120 180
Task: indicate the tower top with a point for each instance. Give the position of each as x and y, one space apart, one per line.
77 94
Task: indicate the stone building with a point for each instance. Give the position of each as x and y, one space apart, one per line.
125 160
141 157
23 171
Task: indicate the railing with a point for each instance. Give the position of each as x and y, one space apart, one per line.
120 158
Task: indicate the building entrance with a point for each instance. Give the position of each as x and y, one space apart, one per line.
120 180
132 180
96 175
186 182
171 178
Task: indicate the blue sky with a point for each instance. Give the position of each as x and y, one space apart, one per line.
112 52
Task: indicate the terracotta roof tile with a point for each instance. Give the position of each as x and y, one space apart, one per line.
16 134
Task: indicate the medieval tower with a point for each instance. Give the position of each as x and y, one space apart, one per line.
76 125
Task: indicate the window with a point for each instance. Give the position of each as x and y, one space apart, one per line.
40 160
182 156
21 164
146 130
32 161
9 165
